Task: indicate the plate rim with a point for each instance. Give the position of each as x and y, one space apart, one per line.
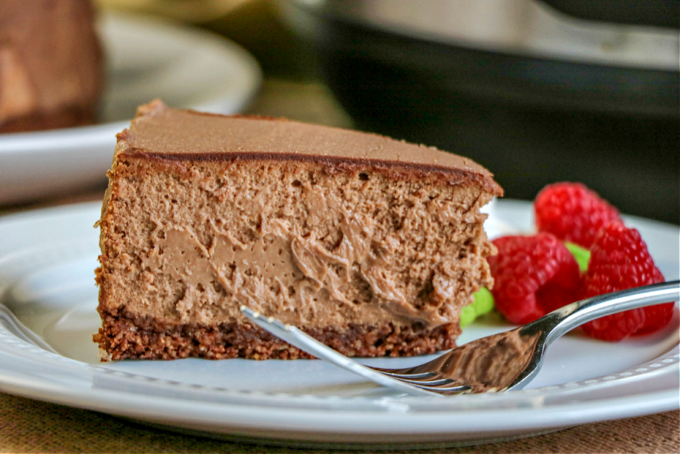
244 416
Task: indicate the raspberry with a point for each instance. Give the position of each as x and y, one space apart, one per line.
619 260
572 212
533 275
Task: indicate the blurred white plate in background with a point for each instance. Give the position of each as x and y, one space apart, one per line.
145 59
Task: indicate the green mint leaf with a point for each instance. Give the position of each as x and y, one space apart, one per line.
467 316
482 304
581 255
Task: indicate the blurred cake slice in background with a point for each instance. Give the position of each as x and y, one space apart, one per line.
50 64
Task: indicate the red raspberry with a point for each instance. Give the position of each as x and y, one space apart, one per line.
619 260
572 212
533 275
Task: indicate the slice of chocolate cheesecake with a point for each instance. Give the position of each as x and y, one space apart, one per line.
369 244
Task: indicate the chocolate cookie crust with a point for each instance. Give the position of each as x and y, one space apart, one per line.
126 336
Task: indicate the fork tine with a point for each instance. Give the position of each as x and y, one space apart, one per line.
400 373
445 389
307 343
428 383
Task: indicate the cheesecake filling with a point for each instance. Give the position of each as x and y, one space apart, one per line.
310 255
282 272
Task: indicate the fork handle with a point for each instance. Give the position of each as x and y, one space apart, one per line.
576 314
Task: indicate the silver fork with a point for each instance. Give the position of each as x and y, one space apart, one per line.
495 363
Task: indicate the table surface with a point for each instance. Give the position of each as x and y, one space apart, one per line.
31 426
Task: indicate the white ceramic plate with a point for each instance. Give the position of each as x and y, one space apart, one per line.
47 259
145 59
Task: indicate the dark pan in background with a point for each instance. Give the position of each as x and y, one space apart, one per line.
657 13
533 94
